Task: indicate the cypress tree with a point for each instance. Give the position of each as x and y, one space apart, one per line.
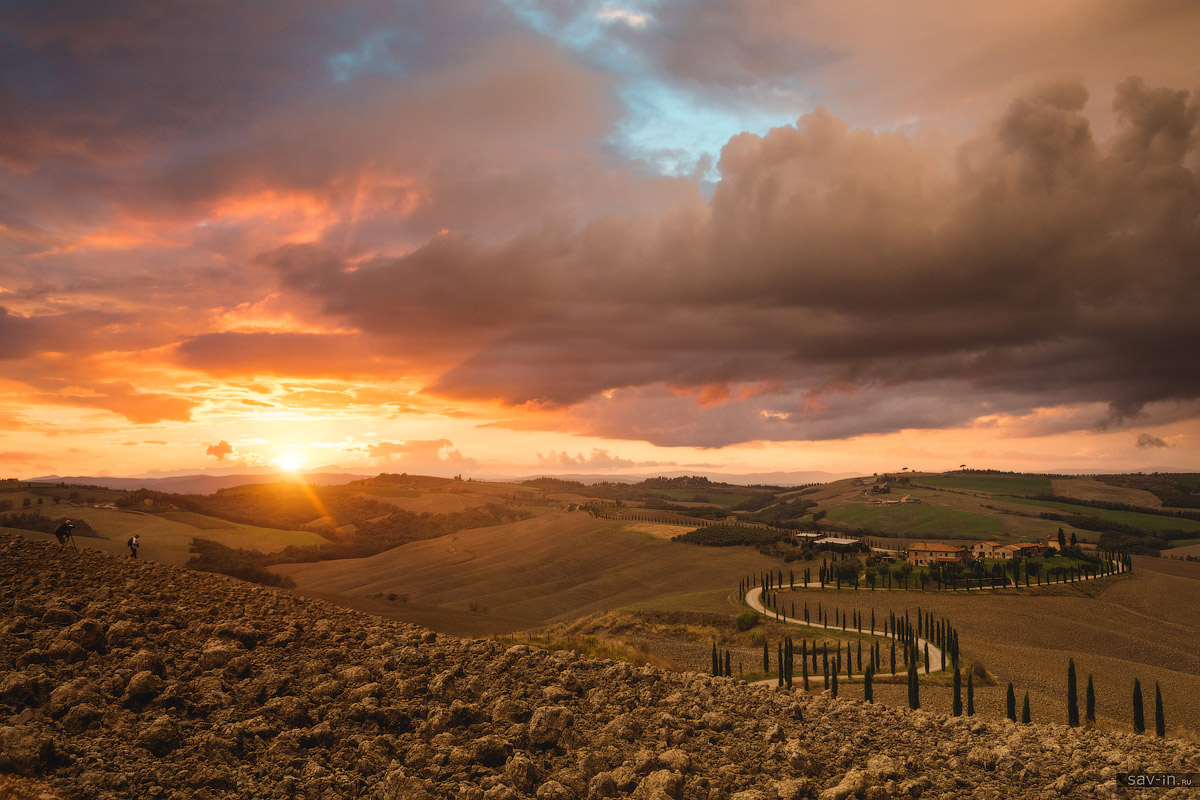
1160 722
927 658
833 689
766 659
714 660
780 662
860 666
1011 704
1025 718
893 656
1139 722
728 666
868 689
914 695
1072 696
787 659
804 662
956 708
970 693
1091 702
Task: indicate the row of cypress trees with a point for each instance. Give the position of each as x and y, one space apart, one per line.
1111 562
1139 722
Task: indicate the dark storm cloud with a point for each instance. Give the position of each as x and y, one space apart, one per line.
1149 441
434 183
307 354
876 287
75 332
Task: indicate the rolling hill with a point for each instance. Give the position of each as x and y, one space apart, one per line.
553 567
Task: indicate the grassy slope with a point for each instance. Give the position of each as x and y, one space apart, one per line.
447 496
553 567
1092 489
958 509
940 515
167 540
1150 522
992 484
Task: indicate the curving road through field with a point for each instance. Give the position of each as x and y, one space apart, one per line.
754 600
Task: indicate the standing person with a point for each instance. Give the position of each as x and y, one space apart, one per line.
63 533
133 546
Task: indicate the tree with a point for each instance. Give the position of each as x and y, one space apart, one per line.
766 658
1011 703
728 666
1139 722
1062 540
716 664
1025 718
957 709
1072 696
868 689
914 693
927 658
1160 722
1091 702
971 693
833 687
1074 540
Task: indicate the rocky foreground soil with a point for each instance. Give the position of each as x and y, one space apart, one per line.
129 679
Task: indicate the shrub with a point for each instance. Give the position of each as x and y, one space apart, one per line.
746 620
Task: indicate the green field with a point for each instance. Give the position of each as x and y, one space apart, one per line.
1149 522
1184 542
993 484
917 521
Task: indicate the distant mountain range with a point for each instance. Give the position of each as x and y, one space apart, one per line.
200 484
748 479
208 483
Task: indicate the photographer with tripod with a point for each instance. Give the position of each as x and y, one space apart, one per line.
63 534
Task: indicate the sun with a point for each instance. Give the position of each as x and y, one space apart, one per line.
290 462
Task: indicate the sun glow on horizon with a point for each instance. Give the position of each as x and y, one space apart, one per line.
289 462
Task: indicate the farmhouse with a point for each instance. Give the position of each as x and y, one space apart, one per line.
838 543
990 550
922 554
998 550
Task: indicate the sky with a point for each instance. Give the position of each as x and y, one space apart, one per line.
530 237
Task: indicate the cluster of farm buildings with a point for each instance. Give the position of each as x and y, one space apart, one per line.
923 554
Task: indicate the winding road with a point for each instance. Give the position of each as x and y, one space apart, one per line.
754 600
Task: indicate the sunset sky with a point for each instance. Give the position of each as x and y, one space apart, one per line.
558 236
